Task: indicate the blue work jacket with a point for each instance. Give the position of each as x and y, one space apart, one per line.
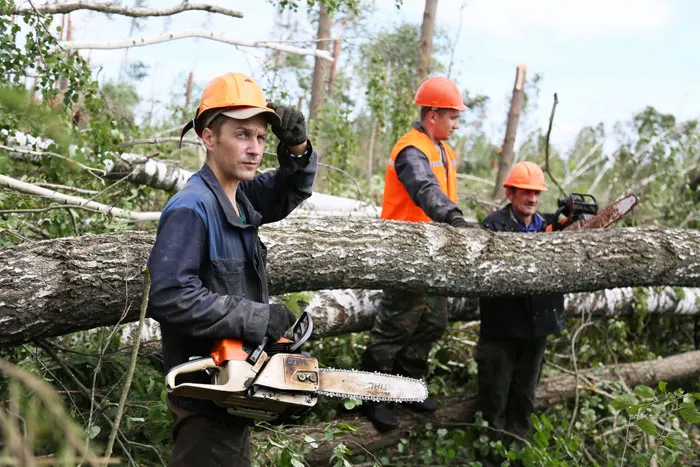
208 277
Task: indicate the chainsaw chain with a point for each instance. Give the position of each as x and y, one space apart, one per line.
371 398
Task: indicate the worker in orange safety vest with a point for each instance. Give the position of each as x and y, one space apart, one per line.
420 186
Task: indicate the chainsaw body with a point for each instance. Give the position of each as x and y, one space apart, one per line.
277 381
578 208
268 382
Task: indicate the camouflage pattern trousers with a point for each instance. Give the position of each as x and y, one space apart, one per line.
404 331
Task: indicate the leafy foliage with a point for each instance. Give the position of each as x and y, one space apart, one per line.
76 125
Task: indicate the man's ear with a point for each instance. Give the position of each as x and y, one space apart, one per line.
509 193
208 138
432 116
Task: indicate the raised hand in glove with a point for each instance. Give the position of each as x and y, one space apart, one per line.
281 319
457 220
292 127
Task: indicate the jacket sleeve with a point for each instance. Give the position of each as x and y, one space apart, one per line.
275 195
414 172
179 299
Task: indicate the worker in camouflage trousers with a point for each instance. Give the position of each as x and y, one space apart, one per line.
514 330
420 186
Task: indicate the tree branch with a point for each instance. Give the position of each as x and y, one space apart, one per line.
546 146
116 9
156 140
132 366
200 33
75 201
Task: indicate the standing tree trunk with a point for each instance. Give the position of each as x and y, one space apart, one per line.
63 85
516 106
319 76
188 94
370 152
427 30
334 65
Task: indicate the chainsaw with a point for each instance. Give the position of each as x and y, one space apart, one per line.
276 381
581 212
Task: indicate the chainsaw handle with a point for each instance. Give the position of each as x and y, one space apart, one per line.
188 367
301 331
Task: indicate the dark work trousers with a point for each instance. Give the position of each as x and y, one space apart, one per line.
203 442
404 331
509 370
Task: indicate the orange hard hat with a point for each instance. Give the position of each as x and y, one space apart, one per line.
236 95
526 175
439 93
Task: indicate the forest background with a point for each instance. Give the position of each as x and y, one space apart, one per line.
68 119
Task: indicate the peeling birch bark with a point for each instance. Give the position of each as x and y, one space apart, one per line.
144 171
64 285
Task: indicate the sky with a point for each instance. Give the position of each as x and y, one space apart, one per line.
605 59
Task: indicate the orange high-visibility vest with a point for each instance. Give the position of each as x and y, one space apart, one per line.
397 204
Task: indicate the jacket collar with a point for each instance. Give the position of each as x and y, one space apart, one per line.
419 126
252 216
512 218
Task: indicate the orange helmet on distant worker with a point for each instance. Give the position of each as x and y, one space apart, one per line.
235 95
526 175
439 93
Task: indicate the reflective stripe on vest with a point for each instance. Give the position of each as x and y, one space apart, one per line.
397 204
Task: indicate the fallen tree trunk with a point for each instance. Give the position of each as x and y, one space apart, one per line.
458 410
64 285
338 312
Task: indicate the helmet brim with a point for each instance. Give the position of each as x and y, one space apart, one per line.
527 187
244 113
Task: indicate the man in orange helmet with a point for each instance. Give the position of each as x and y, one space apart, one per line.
514 330
207 266
420 186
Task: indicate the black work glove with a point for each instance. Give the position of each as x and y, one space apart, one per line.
292 129
281 319
455 219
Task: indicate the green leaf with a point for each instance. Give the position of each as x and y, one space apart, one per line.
623 402
662 386
310 441
645 392
94 431
296 463
350 404
646 426
690 414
